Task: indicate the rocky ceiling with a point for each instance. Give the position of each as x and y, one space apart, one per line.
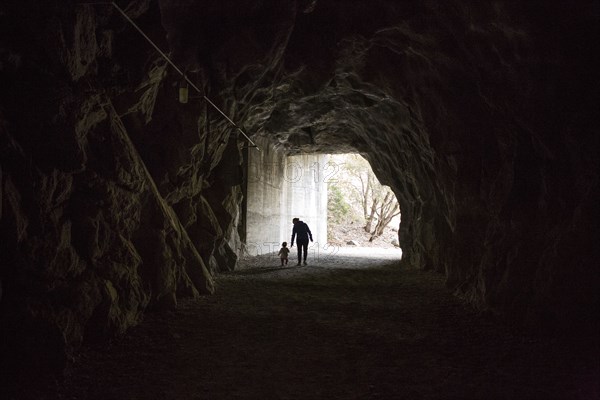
116 198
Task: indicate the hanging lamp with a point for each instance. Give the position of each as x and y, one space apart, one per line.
183 91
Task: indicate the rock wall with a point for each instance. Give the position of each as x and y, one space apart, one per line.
281 188
116 198
479 117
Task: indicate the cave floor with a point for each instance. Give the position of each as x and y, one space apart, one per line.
341 328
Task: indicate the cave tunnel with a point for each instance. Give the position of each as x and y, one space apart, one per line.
116 198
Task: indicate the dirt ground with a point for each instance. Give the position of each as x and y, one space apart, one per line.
340 234
350 325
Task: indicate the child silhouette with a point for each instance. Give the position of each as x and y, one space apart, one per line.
283 253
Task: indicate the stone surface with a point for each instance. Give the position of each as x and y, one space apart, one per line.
89 237
115 198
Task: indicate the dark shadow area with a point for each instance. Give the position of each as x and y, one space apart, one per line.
387 332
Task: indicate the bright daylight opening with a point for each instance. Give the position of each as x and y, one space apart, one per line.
363 216
337 199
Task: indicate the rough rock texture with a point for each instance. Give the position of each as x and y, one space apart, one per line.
109 202
116 198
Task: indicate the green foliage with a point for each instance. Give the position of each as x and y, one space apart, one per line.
337 207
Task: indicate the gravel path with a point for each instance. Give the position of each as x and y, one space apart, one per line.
347 326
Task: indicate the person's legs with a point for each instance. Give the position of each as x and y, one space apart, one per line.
302 245
305 251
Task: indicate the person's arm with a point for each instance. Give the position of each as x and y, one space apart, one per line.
293 235
309 233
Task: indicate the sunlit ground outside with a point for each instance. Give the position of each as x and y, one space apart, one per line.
369 252
330 258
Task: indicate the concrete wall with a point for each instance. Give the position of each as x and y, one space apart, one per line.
279 189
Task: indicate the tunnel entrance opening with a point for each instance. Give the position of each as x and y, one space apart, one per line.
336 195
279 188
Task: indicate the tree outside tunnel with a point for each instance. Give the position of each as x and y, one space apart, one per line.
360 208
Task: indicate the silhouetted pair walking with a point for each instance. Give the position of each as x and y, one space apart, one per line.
302 233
